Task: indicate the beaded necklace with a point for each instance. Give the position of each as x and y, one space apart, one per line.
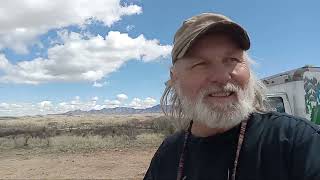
184 151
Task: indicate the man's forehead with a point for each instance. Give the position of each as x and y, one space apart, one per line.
228 53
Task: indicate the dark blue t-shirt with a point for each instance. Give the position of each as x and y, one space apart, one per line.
276 147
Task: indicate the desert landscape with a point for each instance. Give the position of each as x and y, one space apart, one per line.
95 146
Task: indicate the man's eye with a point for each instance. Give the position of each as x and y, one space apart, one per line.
234 60
199 64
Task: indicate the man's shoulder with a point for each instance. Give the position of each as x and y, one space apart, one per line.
170 147
165 161
173 141
283 121
283 118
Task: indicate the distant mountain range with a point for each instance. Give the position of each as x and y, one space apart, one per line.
117 110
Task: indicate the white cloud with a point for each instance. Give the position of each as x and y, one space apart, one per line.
140 104
50 107
122 97
16 106
135 103
64 106
80 59
23 21
77 104
130 27
45 106
95 98
99 107
99 85
150 101
4 63
7 109
4 106
95 84
112 103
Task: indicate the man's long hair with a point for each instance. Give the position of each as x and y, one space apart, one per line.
172 106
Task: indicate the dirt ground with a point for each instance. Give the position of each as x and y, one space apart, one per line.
109 164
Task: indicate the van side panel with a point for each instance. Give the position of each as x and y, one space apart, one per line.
297 102
312 95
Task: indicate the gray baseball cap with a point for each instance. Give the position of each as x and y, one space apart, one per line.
198 25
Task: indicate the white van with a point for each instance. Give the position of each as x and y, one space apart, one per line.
296 92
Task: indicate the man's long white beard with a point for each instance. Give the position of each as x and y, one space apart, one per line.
218 116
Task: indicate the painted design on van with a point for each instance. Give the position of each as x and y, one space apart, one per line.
312 98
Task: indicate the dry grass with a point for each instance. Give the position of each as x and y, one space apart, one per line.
77 133
62 121
80 147
79 144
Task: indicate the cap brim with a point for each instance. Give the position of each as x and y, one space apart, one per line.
235 31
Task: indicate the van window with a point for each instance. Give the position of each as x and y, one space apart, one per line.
276 104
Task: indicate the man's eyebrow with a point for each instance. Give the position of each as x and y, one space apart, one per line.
190 59
196 60
231 52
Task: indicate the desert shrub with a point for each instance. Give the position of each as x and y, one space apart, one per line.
82 133
6 143
36 142
75 143
23 141
149 139
164 125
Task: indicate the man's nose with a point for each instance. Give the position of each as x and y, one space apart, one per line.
218 74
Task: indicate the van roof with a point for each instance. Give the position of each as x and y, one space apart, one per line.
288 76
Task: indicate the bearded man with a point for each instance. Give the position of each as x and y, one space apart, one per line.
225 130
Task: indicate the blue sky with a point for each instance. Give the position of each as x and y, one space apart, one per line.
57 56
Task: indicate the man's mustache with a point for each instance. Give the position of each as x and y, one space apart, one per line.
228 88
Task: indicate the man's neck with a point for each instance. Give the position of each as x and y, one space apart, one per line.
201 130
